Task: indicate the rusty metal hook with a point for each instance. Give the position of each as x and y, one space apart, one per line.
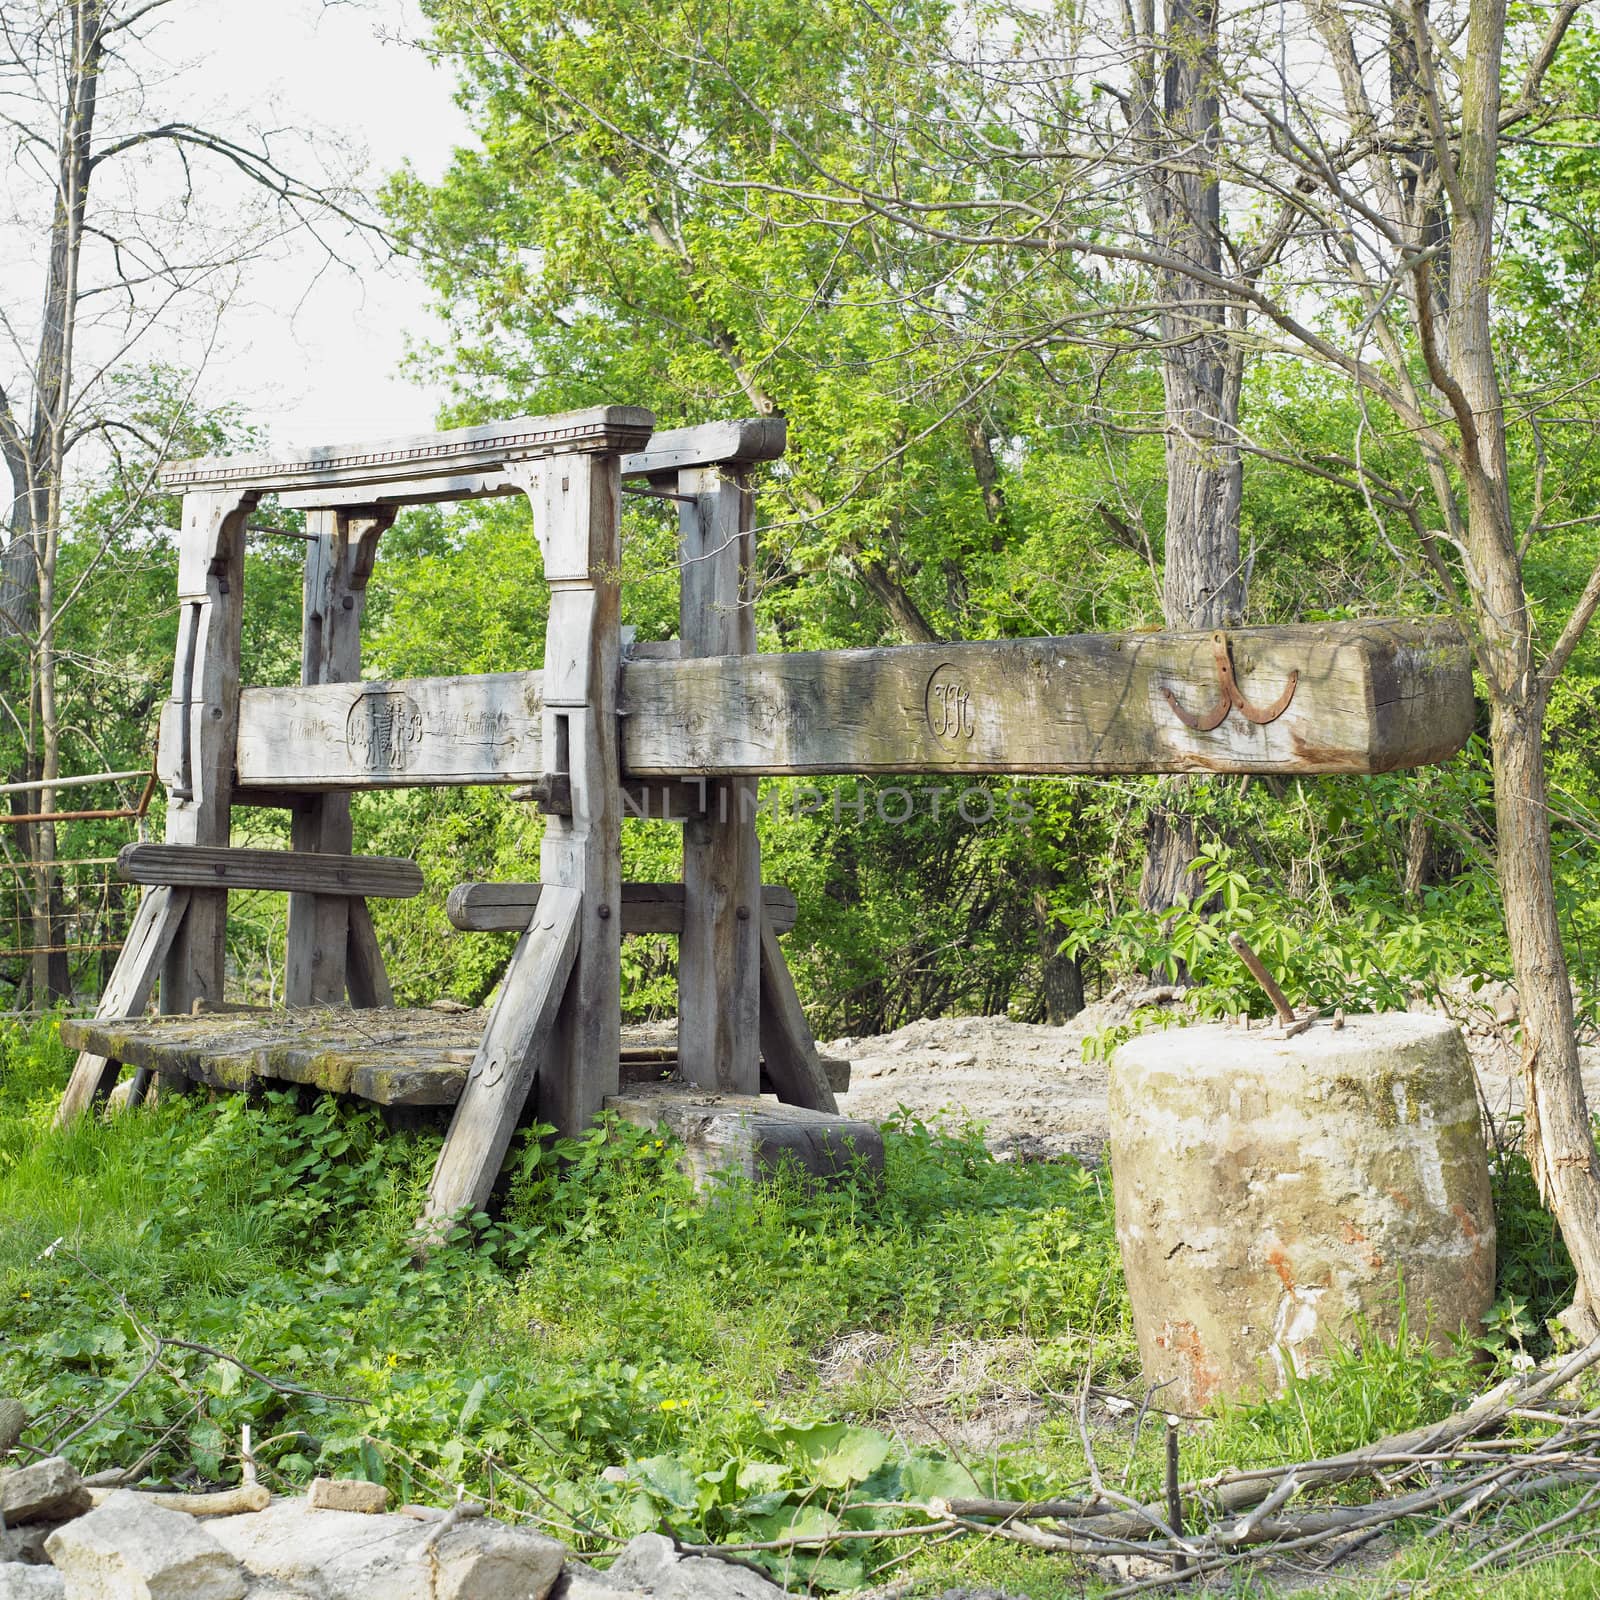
1229 696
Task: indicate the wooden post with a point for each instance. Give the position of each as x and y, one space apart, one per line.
576 502
201 726
719 955
338 563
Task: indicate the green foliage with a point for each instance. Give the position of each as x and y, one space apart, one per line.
646 1356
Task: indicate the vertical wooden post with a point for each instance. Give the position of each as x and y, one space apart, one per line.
338 563
719 953
576 501
202 724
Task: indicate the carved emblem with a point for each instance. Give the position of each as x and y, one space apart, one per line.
382 728
948 705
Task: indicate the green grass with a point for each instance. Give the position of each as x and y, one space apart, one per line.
614 1353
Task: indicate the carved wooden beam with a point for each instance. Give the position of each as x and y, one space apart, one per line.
484 449
1368 697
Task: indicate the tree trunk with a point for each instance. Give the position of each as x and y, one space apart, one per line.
1203 582
1560 1142
1060 976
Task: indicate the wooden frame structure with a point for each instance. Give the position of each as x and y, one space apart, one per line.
699 720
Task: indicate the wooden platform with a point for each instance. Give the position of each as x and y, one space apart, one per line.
391 1057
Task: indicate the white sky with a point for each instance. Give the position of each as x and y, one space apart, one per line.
316 358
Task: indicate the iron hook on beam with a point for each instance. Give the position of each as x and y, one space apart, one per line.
1229 696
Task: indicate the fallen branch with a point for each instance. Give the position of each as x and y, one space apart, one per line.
220 1503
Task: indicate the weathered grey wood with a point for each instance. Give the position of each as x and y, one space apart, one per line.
202 867
1370 697
133 981
646 907
403 492
416 1058
366 977
787 1046
401 733
487 447
744 1134
575 513
339 561
204 714
719 953
519 1045
665 799
709 444
743 439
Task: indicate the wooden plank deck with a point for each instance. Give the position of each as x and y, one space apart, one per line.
390 1056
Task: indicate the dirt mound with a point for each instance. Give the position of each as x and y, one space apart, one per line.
1038 1098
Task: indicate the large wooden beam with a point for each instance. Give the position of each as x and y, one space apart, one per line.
1367 697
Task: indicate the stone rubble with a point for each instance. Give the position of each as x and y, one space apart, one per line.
347 1494
128 1549
314 1547
18 1582
43 1491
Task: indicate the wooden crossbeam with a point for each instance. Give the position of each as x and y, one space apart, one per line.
295 871
1368 697
646 907
742 440
484 448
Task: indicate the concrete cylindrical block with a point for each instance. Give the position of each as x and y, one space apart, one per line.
1270 1191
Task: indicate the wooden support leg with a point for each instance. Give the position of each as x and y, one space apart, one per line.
319 924
786 1042
517 1042
338 564
364 972
200 727
133 980
719 993
575 506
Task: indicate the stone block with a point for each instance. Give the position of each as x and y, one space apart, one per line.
25 1543
43 1491
752 1136
652 1563
579 1581
128 1549
1270 1192
347 1494
351 1555
31 1583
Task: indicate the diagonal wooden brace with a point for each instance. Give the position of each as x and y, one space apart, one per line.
517 1044
133 980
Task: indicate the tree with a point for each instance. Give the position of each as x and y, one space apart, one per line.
121 204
